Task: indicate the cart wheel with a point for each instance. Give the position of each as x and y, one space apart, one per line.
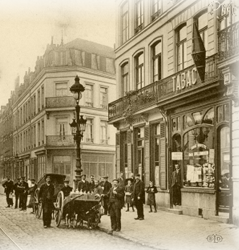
59 207
39 211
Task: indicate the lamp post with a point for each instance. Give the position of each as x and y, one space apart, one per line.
78 125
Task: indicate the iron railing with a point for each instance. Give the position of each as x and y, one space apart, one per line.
228 41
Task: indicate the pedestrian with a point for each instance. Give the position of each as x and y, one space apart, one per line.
83 185
46 194
121 180
106 188
23 194
115 205
8 189
31 192
66 189
92 184
151 190
139 197
128 195
17 193
176 186
98 188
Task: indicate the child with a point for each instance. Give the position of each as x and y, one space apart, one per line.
151 190
128 193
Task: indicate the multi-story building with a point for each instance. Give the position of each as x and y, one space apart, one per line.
43 107
172 106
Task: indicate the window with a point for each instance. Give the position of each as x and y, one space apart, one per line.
202 28
41 166
125 22
103 97
61 89
103 132
34 104
181 47
155 146
139 16
89 130
125 78
139 150
89 95
156 57
38 100
62 165
123 151
62 127
139 71
156 8
42 96
39 133
42 131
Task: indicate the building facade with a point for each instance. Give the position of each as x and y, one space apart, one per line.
172 105
43 107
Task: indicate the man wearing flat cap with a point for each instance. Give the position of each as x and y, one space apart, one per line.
83 185
46 194
66 189
139 197
106 188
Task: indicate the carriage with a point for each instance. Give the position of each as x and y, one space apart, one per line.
57 180
77 209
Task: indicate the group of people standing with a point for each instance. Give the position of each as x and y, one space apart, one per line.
20 189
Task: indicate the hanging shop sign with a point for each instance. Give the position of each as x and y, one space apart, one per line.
185 79
177 156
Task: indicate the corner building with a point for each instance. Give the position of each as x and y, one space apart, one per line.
173 108
43 108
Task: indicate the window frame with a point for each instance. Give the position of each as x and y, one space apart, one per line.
125 20
139 15
139 70
179 43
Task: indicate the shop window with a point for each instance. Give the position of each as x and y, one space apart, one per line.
181 35
139 15
125 21
223 113
209 117
62 165
197 116
187 121
199 166
139 70
139 150
224 157
156 8
156 58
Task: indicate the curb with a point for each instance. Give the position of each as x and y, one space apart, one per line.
119 235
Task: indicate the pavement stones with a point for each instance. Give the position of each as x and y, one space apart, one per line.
164 230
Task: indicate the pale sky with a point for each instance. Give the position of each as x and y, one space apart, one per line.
26 27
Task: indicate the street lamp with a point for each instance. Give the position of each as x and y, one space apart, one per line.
78 125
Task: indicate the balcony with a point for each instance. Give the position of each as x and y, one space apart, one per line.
60 102
162 90
228 40
60 141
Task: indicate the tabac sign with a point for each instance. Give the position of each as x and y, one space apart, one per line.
185 79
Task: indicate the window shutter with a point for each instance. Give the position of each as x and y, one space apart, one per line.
163 184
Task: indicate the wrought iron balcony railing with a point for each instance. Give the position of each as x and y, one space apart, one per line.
60 140
60 102
161 90
228 40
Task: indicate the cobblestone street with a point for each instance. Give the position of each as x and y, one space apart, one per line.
28 233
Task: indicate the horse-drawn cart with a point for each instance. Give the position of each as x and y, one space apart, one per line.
77 209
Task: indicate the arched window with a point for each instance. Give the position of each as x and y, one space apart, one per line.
139 70
156 59
125 78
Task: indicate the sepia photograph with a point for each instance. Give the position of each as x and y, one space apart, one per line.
119 125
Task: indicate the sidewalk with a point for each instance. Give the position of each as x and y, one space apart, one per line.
164 230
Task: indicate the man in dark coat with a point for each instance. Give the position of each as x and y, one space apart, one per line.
66 189
139 197
115 205
46 194
8 189
17 193
83 185
106 188
23 194
92 183
122 184
176 186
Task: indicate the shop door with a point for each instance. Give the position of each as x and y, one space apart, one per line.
224 183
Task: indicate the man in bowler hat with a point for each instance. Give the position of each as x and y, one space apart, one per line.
139 197
83 185
8 189
106 188
46 194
